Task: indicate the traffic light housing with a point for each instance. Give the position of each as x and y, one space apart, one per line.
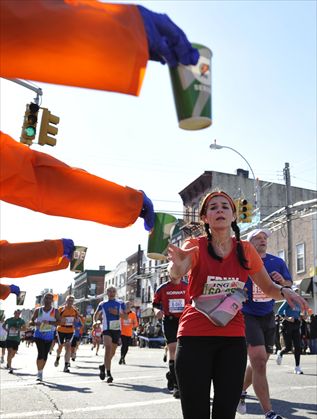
29 123
245 211
48 128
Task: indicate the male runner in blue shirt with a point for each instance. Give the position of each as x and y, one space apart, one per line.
111 312
259 320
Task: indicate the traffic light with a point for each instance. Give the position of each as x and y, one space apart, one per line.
46 128
29 124
245 211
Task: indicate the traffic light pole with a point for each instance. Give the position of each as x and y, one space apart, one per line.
216 146
37 90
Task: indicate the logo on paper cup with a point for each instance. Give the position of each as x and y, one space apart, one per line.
192 91
77 262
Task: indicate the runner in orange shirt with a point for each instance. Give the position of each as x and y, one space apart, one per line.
128 325
65 330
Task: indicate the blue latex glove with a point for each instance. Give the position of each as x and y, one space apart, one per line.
167 42
68 248
147 213
15 289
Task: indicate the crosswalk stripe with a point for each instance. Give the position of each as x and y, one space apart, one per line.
87 409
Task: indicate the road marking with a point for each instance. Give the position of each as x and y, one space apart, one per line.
87 409
50 380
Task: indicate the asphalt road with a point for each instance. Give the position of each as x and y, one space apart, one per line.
138 391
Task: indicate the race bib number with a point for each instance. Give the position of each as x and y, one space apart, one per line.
44 327
221 287
258 295
114 324
126 322
68 321
98 334
13 332
176 305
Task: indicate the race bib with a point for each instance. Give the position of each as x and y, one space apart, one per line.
114 324
221 287
176 305
258 295
68 321
13 332
126 322
44 327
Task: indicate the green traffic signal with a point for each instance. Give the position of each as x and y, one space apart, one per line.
29 131
29 124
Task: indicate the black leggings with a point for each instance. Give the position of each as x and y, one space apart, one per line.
126 342
43 348
202 359
291 335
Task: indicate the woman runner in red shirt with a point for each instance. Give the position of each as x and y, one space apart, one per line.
211 340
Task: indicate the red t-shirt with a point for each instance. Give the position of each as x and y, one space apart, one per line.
171 298
205 268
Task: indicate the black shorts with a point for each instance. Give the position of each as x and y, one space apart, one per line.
64 337
13 344
43 348
170 327
75 340
260 330
2 344
114 334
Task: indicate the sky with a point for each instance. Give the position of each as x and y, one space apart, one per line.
264 106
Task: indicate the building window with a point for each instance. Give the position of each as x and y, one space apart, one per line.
300 258
281 254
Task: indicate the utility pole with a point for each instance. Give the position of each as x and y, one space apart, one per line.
287 178
139 264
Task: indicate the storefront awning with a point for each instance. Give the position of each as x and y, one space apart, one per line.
306 285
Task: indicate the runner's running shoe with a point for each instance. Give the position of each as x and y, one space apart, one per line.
39 376
272 415
66 367
109 379
102 372
298 370
56 363
242 407
176 394
279 358
170 382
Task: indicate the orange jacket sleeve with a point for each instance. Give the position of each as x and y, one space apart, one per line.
4 291
23 259
83 43
40 182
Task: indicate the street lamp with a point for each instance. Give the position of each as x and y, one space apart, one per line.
216 146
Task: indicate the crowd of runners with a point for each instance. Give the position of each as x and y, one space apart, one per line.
215 322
